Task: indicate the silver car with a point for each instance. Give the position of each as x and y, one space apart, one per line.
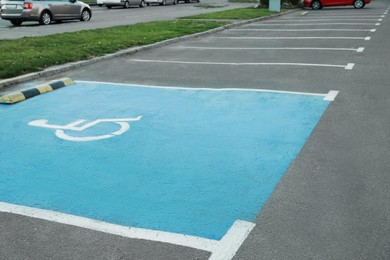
44 11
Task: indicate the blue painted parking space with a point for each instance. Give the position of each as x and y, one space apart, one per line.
189 161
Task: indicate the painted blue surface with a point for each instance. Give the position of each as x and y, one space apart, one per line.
197 161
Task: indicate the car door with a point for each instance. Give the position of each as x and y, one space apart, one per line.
73 10
57 8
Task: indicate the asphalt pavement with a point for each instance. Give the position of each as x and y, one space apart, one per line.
333 201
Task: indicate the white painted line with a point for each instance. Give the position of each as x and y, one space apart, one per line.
350 66
377 24
342 16
232 241
305 30
136 233
380 20
264 48
361 49
331 19
373 30
291 38
205 89
224 249
367 38
331 95
242 64
306 24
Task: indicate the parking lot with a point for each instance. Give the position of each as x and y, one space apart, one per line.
320 195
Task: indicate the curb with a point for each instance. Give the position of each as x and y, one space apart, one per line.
29 93
73 65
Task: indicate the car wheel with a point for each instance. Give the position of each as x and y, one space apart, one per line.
126 5
16 22
85 15
163 2
358 4
45 18
174 2
316 5
142 4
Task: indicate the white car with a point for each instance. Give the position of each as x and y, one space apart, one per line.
161 2
99 3
123 3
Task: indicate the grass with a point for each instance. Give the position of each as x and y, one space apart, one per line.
239 14
33 54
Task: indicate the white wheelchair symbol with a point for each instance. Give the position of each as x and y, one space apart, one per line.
75 126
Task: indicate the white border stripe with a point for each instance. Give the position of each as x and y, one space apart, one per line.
360 49
306 24
129 232
206 89
331 19
304 30
290 38
263 48
242 64
232 241
224 249
331 95
350 66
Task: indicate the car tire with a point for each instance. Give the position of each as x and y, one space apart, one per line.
45 18
16 22
142 4
126 5
316 5
163 3
359 4
174 2
85 15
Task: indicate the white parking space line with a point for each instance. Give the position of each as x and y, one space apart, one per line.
325 20
291 38
225 248
347 16
349 66
306 30
361 49
311 24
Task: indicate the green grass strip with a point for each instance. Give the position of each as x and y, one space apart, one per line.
239 14
33 54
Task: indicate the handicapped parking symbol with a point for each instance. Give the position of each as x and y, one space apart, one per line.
81 125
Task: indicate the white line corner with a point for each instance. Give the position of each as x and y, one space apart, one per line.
377 24
331 95
232 241
349 66
367 38
373 30
360 49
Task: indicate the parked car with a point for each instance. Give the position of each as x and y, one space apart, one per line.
188 1
123 3
318 4
44 11
161 2
99 3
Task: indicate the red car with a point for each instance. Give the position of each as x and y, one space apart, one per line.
318 4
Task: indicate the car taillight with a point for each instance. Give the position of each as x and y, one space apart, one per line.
27 5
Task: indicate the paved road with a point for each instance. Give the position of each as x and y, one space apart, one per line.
103 18
333 202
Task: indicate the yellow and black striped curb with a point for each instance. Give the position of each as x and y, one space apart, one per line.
29 93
